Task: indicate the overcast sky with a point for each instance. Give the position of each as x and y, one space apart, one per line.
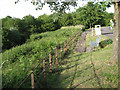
21 9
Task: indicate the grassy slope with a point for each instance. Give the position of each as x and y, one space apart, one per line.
20 60
80 70
89 70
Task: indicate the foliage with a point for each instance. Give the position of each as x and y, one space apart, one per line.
5 39
60 6
47 23
107 18
104 43
15 37
11 38
89 14
18 61
20 30
66 20
29 23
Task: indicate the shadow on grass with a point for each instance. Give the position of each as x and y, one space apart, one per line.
58 80
95 74
52 79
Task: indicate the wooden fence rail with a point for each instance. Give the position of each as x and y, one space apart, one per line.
67 46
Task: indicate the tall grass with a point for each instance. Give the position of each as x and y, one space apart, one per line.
20 60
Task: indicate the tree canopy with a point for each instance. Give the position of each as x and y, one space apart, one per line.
60 6
19 30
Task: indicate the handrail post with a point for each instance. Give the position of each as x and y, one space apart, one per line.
50 62
32 80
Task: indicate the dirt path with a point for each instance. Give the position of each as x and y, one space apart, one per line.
82 70
80 46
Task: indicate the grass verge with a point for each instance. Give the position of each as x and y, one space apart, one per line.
89 70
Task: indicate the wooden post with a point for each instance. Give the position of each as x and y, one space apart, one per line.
56 56
90 26
50 62
92 31
74 35
70 44
64 46
44 69
61 49
79 31
67 44
32 80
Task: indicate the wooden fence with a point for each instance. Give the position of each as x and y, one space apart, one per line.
57 53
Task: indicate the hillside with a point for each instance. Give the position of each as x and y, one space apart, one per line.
89 69
85 69
18 62
75 69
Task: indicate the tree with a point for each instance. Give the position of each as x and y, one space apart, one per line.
47 23
12 32
8 22
66 19
89 14
107 17
116 50
5 40
59 6
29 22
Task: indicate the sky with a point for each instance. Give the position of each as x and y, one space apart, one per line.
21 9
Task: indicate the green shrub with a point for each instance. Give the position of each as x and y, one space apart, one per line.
34 37
104 43
11 38
83 29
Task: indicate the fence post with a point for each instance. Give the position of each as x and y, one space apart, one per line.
90 26
70 44
56 56
73 38
64 46
32 80
50 62
61 50
80 31
44 72
67 44
92 31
